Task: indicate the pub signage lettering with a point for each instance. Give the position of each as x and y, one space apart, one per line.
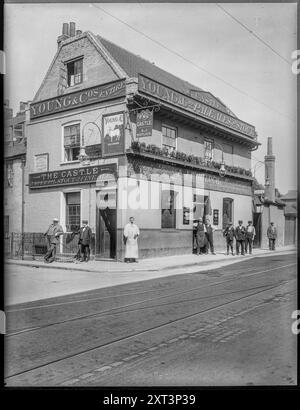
83 175
144 123
78 99
190 104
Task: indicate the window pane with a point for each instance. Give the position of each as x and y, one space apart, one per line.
73 198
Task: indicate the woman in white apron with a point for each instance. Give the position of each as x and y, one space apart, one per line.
131 234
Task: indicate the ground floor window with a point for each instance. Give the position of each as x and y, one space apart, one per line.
72 211
168 211
227 211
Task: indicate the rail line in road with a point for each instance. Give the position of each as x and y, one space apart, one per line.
110 311
267 288
49 305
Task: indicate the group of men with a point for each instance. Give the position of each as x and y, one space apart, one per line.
84 239
204 237
131 233
244 237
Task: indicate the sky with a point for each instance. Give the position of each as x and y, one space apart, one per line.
253 79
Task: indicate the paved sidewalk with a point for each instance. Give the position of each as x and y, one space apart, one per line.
153 264
27 281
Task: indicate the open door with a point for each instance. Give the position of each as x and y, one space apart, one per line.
106 224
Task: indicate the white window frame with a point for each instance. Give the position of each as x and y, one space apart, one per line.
162 136
210 141
68 124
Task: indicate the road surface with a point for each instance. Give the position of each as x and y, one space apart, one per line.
225 327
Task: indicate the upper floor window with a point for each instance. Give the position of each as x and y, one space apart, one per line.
71 142
169 136
18 134
75 72
9 174
208 150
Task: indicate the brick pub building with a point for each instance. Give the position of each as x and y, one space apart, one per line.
111 136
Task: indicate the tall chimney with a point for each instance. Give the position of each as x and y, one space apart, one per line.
72 29
270 172
65 34
65 30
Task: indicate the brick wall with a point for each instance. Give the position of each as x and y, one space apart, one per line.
95 69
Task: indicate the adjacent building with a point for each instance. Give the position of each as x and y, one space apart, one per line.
14 163
111 135
291 217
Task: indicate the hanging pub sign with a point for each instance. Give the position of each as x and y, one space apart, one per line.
144 123
113 134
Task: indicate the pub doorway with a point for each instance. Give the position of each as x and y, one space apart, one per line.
257 223
106 224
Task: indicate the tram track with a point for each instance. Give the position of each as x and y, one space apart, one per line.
164 325
22 331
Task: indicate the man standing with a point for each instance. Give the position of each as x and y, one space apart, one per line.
85 237
131 234
52 235
250 235
201 239
209 236
272 235
229 235
240 236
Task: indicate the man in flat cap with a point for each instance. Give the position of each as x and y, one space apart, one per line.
52 235
250 235
272 235
229 235
240 237
85 237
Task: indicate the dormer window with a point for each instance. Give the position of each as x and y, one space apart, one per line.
75 72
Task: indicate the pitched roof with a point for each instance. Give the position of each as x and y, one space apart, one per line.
133 64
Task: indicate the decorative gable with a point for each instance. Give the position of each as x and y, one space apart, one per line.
97 68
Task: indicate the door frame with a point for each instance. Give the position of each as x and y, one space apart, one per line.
97 233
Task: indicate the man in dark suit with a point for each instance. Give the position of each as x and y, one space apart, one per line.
240 237
85 237
272 235
209 236
229 235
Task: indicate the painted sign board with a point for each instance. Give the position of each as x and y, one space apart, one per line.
144 123
187 103
74 176
77 99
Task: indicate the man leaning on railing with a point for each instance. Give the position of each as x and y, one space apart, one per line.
52 235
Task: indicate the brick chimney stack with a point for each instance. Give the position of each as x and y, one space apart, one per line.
68 30
270 172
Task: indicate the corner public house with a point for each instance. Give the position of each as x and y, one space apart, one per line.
111 136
